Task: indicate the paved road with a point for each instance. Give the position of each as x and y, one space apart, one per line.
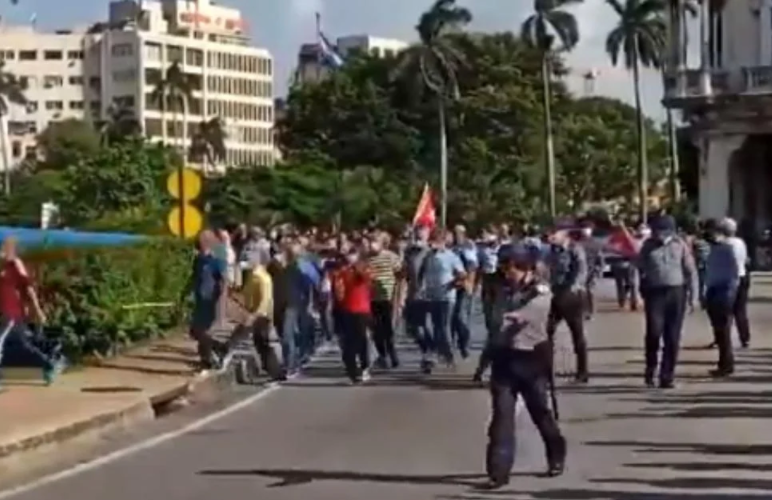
406 438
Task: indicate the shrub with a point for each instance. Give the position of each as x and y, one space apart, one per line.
85 293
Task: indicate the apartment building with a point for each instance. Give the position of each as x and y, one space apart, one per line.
311 69
122 61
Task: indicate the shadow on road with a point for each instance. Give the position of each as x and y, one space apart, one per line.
588 494
695 483
702 466
295 477
700 448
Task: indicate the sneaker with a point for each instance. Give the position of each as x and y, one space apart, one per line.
226 359
54 370
381 363
365 375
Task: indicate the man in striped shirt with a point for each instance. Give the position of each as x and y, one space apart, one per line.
384 266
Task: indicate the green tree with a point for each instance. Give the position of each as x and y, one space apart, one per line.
436 61
549 23
639 37
597 136
65 142
121 124
11 92
173 94
208 143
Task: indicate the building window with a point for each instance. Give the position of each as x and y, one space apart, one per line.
53 55
75 54
125 75
96 106
28 55
76 104
76 80
95 82
32 107
54 105
194 57
16 149
152 51
52 81
174 53
122 50
7 55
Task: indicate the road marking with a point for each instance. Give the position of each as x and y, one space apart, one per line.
96 463
268 389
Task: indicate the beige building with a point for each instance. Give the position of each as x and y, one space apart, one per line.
727 102
121 62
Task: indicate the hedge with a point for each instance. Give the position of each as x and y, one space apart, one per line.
101 300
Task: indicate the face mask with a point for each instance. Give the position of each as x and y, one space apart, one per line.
587 231
375 247
352 258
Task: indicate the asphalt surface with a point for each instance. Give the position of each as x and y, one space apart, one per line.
407 437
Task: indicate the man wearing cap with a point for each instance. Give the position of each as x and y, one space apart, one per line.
520 355
667 281
567 263
740 305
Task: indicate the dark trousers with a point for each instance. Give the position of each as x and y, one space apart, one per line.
624 279
664 308
460 319
383 330
719 302
589 299
516 374
569 306
354 346
415 313
487 296
439 342
260 332
740 310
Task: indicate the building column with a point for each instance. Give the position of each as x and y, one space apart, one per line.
715 155
705 82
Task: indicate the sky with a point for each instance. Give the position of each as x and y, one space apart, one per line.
283 25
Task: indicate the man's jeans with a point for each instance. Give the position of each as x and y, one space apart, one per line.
297 337
20 332
460 320
415 313
440 312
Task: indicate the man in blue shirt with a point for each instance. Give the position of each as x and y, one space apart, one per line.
207 284
462 308
486 276
442 274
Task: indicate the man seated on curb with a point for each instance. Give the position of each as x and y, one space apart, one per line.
258 321
17 296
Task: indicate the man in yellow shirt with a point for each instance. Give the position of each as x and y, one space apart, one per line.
258 320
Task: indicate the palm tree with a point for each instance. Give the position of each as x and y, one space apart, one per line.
208 143
435 60
11 92
639 37
121 123
173 93
550 22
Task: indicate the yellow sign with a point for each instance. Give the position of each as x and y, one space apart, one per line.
191 184
186 217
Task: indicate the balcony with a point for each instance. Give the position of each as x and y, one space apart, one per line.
687 85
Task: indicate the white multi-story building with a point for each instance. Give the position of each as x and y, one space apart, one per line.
310 67
727 102
122 61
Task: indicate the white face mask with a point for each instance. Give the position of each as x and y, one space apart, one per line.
375 247
352 258
587 231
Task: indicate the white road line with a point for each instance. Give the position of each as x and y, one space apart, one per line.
269 389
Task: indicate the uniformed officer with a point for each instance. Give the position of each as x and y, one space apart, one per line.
487 249
667 281
567 264
521 363
594 269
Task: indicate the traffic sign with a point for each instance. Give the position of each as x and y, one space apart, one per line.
188 218
186 180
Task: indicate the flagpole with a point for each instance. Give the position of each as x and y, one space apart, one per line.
318 46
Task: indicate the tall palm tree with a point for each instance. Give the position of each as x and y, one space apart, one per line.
435 60
550 23
173 93
639 37
11 92
208 143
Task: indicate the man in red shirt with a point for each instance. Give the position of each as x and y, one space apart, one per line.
352 290
17 296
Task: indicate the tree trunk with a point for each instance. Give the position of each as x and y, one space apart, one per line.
549 148
443 163
643 173
675 168
4 152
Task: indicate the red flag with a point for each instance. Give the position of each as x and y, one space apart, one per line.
622 242
425 214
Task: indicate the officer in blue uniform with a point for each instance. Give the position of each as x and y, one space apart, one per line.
520 354
487 249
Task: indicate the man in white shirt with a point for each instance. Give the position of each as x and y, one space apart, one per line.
740 309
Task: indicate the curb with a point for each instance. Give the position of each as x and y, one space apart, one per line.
33 453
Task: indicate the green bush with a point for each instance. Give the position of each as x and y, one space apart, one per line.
85 291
